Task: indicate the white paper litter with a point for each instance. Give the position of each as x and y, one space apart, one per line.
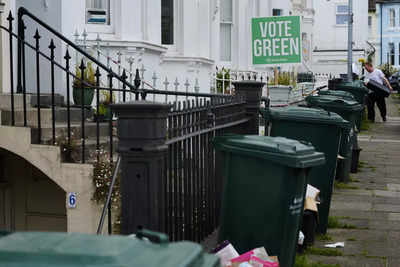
312 192
335 245
301 238
226 254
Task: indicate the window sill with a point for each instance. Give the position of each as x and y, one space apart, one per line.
341 25
112 42
99 28
172 58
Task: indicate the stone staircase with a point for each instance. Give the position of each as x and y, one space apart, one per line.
70 177
61 115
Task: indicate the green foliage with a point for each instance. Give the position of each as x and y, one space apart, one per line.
88 76
69 150
324 237
103 169
223 80
105 98
333 222
387 69
302 261
351 239
365 123
323 251
339 185
287 78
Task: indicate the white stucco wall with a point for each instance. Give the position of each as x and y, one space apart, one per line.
329 37
50 13
136 31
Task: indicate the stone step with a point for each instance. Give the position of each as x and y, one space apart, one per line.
91 147
61 131
45 100
5 101
31 100
45 116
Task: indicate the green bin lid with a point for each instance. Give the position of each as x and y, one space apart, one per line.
62 250
338 93
327 101
281 150
356 85
309 115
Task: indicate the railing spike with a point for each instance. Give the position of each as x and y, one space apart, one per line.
76 35
97 73
52 46
82 66
137 79
10 16
37 35
67 56
124 76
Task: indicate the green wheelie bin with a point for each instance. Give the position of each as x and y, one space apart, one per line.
265 181
359 91
356 88
349 110
67 250
315 126
337 93
356 149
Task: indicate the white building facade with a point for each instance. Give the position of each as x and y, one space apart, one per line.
330 34
183 40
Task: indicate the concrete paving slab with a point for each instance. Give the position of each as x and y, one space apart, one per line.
386 193
394 216
357 214
351 261
394 187
393 262
341 205
386 207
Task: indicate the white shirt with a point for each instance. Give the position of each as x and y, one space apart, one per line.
377 75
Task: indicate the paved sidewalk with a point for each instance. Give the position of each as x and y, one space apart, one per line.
369 213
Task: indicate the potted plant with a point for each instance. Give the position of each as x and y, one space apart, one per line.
104 112
86 85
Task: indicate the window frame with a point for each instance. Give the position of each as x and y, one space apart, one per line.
392 19
174 10
398 45
337 13
391 53
102 28
280 12
231 23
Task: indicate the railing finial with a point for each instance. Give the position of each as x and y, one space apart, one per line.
10 16
37 35
52 46
137 79
67 56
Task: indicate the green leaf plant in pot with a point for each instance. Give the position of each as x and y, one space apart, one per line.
104 113
86 85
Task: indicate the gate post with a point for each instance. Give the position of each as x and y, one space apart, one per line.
142 132
251 91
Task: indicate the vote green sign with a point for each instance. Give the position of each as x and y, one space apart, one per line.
276 40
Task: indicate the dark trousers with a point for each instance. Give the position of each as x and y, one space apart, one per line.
380 101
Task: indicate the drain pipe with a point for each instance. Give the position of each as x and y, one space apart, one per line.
380 15
350 43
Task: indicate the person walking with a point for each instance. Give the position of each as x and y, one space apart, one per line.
377 76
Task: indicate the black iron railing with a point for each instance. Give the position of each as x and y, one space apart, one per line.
191 124
193 186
